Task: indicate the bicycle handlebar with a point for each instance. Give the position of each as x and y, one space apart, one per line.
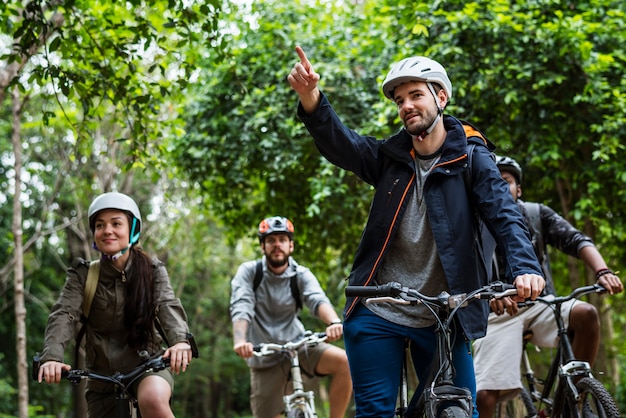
154 364
576 294
309 339
394 292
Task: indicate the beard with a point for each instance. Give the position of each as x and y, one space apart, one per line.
277 259
419 128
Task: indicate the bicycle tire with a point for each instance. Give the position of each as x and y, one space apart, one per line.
453 412
296 413
596 401
527 400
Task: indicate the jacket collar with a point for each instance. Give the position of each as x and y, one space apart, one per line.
400 146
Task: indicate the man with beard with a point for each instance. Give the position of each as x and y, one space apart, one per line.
266 298
420 230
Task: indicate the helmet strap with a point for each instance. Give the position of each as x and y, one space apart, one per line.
423 135
134 238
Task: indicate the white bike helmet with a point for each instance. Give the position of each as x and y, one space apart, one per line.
121 202
416 69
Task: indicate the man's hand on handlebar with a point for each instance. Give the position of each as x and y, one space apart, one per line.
334 331
51 371
611 283
529 286
506 304
243 349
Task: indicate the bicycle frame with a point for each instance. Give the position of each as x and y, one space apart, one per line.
565 370
298 399
125 400
440 392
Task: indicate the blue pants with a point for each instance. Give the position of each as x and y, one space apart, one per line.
375 349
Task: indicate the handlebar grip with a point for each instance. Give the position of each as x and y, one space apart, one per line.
388 289
362 291
194 348
36 365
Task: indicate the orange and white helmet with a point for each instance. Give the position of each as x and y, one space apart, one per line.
275 225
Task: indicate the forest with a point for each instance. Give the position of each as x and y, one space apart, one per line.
185 105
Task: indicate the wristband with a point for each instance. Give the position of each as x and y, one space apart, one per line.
602 272
335 322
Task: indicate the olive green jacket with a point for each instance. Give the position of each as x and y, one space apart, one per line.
106 345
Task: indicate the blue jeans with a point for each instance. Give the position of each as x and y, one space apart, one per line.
375 349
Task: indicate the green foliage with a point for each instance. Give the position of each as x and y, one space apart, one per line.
92 59
103 84
245 146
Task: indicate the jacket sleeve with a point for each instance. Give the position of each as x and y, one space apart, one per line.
342 146
242 297
560 234
169 310
64 319
311 291
503 217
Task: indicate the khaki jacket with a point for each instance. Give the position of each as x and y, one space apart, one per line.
105 344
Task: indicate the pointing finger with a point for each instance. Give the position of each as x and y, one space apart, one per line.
303 59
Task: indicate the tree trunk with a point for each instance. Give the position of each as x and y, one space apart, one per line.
18 272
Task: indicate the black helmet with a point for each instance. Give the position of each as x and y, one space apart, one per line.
275 225
510 165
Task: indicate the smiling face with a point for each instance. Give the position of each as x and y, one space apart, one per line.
111 231
416 106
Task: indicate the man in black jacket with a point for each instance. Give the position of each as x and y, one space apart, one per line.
496 354
420 228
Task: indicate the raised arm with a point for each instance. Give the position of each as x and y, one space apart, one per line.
303 79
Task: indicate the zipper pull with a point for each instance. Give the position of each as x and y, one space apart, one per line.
393 186
123 276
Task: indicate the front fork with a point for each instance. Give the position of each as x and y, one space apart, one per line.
569 371
299 397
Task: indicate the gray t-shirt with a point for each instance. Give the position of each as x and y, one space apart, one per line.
413 259
271 309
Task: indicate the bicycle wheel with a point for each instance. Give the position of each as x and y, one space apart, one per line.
453 412
595 401
527 400
296 413
513 407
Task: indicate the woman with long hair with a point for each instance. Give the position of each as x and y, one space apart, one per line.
133 296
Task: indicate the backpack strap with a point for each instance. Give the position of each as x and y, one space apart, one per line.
90 286
533 221
295 292
258 275
293 284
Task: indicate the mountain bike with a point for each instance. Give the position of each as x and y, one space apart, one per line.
299 403
440 398
569 388
125 399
